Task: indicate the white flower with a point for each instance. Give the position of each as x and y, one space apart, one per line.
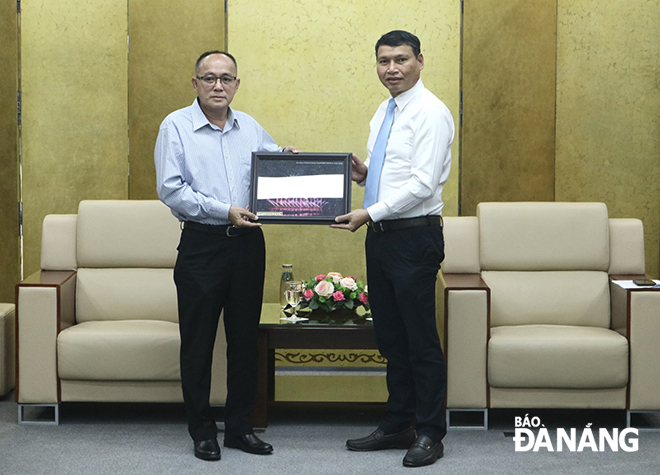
324 288
336 277
349 283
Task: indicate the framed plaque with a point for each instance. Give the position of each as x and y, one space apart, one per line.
300 188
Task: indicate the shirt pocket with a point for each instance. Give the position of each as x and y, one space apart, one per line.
400 144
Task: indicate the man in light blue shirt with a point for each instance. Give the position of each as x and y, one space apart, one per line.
203 160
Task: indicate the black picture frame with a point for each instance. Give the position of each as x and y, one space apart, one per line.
300 188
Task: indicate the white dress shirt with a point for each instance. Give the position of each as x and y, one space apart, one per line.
202 170
418 156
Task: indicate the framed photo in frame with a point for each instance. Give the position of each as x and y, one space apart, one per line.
300 188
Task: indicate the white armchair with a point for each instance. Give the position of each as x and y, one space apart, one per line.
99 322
534 316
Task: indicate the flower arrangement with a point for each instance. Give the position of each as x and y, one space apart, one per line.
332 292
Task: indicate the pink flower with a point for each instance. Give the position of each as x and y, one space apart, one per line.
324 288
309 293
320 277
338 296
363 298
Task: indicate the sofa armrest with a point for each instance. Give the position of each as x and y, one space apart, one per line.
639 310
45 305
620 303
467 320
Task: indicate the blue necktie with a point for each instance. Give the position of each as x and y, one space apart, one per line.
378 157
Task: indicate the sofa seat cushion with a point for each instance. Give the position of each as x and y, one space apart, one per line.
128 350
557 356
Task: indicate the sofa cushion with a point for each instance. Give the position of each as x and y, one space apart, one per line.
556 356
554 298
126 233
125 294
543 236
461 236
58 242
135 350
626 246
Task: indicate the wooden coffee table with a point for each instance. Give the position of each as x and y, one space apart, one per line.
274 334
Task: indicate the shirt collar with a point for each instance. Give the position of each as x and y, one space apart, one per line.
199 119
405 97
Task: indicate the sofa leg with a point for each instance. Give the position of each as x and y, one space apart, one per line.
473 419
38 414
643 420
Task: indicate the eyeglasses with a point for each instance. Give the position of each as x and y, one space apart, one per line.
211 79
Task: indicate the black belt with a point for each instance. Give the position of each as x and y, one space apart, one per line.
223 229
397 224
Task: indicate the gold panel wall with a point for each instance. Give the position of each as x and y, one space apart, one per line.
308 75
166 38
75 140
9 244
508 86
608 103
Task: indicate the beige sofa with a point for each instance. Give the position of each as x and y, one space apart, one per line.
535 318
99 322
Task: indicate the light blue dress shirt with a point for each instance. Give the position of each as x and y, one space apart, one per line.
202 170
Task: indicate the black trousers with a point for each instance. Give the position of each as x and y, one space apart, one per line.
402 268
214 272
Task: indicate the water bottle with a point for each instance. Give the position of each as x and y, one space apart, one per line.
287 276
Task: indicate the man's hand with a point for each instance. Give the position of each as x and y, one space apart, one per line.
242 218
352 221
360 170
290 148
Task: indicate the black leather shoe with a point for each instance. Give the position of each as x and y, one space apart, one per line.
379 440
207 450
249 443
423 452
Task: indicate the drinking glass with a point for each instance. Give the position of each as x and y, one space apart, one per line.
293 294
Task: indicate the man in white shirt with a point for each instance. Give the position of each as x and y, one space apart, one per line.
408 162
